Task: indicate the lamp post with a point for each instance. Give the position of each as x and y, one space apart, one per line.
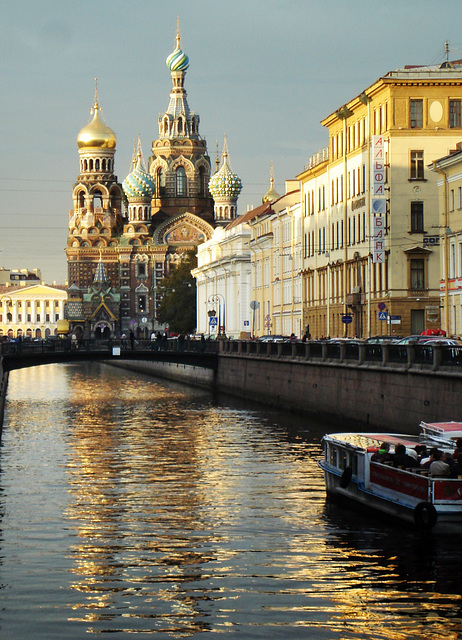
219 299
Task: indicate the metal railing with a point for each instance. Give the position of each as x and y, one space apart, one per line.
66 345
431 357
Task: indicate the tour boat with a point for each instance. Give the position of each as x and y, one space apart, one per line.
409 494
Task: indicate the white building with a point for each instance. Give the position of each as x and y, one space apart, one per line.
31 311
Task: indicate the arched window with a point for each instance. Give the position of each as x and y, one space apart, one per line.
97 164
81 200
103 164
181 182
180 125
160 182
202 182
90 165
97 199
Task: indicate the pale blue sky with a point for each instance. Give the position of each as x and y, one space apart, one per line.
263 71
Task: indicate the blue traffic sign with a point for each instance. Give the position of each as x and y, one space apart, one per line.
213 321
383 315
346 319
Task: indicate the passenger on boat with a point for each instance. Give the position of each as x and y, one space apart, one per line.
439 466
456 469
426 462
458 449
383 454
401 459
421 451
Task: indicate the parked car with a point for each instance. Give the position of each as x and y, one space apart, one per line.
412 339
384 339
447 342
276 338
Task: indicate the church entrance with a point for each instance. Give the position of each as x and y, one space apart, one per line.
102 333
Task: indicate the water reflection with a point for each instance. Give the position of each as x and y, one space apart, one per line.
134 506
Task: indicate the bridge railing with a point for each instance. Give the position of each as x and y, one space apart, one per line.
412 355
66 345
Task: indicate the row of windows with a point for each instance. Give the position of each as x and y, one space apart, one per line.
452 199
356 274
416 114
181 182
330 284
357 231
105 164
28 317
356 132
356 185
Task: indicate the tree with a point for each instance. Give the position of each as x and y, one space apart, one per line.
178 290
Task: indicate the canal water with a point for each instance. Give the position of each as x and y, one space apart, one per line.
133 507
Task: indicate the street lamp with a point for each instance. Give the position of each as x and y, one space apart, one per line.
219 299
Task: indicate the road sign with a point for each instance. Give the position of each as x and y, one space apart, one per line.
346 319
383 315
213 321
382 306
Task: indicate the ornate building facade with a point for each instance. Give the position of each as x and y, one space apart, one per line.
124 238
370 218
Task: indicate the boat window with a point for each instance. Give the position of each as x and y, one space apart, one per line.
333 456
354 464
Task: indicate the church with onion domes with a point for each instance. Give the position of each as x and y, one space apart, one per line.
124 238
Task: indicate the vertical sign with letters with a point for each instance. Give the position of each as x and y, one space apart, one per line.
378 239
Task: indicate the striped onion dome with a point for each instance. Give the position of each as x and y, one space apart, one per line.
177 60
138 185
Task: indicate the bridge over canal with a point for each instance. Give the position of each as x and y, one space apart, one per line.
381 385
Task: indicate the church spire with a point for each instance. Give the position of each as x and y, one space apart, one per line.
271 194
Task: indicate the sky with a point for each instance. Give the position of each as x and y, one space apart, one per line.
263 72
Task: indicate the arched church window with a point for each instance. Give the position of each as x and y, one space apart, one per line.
202 182
160 182
181 182
166 127
90 165
180 125
81 200
103 165
97 164
97 199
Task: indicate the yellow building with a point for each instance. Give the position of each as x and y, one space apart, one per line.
371 236
449 170
31 312
276 267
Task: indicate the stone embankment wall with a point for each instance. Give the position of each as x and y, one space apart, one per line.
395 398
197 376
3 387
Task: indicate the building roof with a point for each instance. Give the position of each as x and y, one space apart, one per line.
249 215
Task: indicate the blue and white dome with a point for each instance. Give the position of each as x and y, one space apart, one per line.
138 185
177 60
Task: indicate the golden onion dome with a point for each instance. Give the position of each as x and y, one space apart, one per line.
96 133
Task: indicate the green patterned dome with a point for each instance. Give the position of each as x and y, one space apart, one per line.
178 60
138 184
225 183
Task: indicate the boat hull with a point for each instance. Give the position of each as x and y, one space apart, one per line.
424 504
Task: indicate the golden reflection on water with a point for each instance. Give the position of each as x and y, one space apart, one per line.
184 517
